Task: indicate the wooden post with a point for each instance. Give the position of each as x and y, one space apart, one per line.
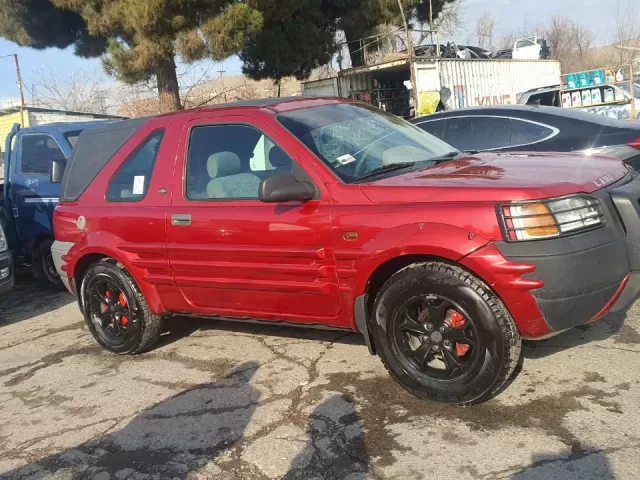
410 59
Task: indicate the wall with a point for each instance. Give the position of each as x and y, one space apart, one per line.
43 118
6 122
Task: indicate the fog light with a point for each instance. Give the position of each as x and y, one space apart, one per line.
4 273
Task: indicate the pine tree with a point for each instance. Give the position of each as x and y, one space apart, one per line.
138 39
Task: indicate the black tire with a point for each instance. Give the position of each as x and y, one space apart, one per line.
46 269
142 329
481 371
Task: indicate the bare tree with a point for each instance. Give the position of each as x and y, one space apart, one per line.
449 21
627 32
570 42
75 90
484 30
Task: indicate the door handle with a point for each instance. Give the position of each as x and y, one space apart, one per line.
181 219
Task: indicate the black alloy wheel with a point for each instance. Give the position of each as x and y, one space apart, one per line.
444 335
115 311
436 337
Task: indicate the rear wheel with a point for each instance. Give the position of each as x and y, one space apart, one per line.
115 311
443 335
46 269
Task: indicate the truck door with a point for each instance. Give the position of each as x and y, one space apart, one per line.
33 197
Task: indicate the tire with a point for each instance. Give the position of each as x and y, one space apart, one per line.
46 269
142 328
424 305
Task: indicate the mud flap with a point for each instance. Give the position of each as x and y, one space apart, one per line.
362 321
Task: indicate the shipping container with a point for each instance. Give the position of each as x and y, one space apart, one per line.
469 82
475 83
326 87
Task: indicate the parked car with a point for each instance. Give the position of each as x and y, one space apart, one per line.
29 198
333 213
551 97
540 129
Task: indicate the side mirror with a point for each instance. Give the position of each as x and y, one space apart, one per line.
57 170
283 188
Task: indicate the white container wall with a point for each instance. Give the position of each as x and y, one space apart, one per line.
327 87
475 83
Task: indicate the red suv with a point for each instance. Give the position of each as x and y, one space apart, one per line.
329 212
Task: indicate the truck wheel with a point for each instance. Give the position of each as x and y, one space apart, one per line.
443 334
115 311
46 268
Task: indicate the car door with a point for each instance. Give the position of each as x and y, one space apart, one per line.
230 253
33 197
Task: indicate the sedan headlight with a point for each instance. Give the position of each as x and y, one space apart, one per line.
3 241
551 218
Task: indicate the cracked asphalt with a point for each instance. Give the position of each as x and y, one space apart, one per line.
224 400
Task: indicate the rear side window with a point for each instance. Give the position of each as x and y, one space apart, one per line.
72 137
131 182
490 133
38 151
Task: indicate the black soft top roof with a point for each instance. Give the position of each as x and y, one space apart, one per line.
92 151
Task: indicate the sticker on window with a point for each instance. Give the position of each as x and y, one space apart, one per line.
345 159
138 185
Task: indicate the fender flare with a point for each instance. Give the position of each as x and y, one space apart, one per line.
107 245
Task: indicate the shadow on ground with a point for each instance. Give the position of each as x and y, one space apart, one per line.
586 463
182 434
190 432
30 298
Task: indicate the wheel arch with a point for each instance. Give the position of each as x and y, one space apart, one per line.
88 256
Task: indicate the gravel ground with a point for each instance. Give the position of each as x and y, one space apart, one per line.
233 401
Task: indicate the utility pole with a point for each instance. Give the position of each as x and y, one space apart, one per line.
22 105
223 87
411 64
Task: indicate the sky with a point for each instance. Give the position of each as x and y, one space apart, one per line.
510 15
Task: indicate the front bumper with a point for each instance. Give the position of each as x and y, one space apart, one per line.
6 272
587 275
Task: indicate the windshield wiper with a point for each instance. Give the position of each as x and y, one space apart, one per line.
445 157
386 168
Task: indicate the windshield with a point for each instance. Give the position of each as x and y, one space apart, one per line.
355 139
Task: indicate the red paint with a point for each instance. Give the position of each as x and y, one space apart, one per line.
610 303
291 262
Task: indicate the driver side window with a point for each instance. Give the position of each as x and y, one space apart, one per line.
131 182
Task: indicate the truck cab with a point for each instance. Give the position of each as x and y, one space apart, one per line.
29 198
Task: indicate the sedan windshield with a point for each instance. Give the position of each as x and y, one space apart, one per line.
357 141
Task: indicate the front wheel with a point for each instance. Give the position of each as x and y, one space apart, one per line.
115 311
444 335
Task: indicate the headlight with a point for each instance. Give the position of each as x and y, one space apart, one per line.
551 218
3 241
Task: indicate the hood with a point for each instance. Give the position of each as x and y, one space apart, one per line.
500 177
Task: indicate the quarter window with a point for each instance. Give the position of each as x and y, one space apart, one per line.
229 162
38 151
131 182
533 132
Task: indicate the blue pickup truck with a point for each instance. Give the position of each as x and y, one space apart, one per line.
29 198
